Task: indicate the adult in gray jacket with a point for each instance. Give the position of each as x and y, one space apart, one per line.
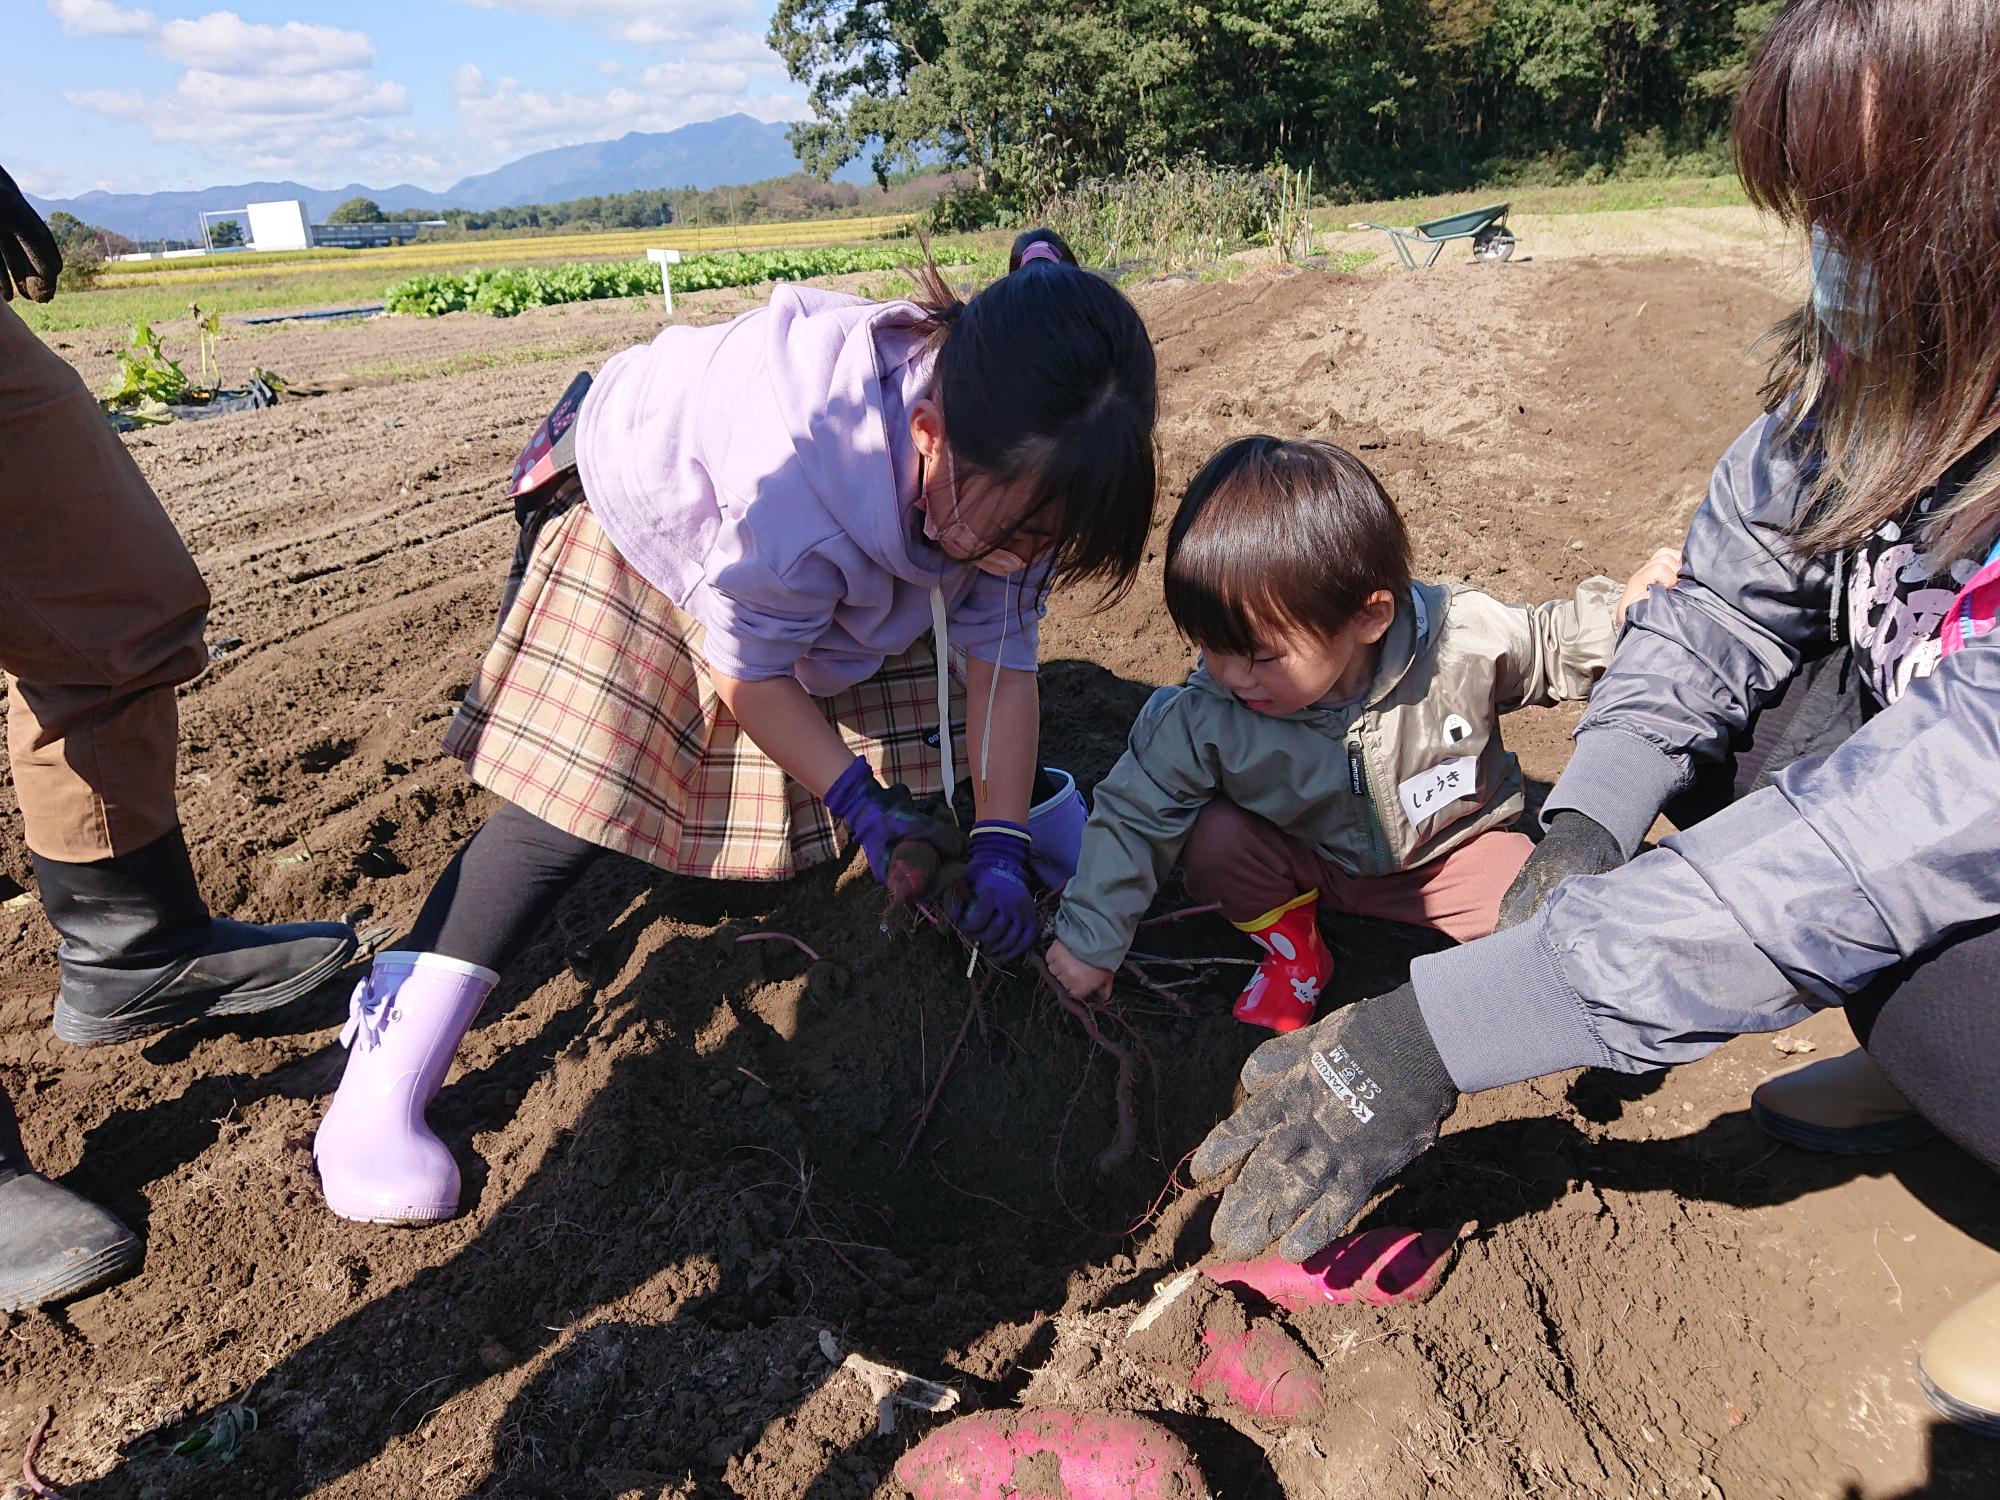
1815 704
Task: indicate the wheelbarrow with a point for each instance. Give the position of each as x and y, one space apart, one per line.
1485 227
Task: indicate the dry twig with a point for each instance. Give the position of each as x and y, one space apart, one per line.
1185 911
973 1009
781 937
1126 1137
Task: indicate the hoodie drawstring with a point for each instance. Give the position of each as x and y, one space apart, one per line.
992 687
941 636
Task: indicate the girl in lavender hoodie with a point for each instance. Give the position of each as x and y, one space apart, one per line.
747 557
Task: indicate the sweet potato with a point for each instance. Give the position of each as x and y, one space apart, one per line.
913 865
1198 1333
1378 1267
919 872
1051 1453
1261 1371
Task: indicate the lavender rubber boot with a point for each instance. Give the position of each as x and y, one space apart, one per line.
1055 830
379 1161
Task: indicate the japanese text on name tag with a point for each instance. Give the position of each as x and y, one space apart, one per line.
1447 781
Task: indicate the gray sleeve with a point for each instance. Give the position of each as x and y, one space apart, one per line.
1697 661
1788 901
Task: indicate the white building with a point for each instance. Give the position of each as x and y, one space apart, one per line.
282 225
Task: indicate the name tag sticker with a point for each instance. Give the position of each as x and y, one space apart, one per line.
1446 782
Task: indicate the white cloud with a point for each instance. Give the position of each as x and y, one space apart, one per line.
708 58
223 42
292 99
646 23
301 99
202 96
101 18
691 15
514 119
301 121
116 103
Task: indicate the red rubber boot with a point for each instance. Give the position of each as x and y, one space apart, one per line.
1285 990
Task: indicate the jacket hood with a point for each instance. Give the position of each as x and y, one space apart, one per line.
849 426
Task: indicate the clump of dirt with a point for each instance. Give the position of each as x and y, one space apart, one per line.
687 1155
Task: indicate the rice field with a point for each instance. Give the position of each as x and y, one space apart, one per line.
400 260
234 284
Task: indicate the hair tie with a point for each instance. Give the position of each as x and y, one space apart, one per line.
1040 250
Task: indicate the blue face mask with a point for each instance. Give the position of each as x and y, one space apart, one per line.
1843 294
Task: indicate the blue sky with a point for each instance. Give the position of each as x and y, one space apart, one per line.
157 94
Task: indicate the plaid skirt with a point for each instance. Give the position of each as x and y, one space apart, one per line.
594 710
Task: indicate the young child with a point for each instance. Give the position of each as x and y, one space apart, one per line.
1340 742
712 653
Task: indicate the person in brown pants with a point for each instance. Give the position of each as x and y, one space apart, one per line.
101 618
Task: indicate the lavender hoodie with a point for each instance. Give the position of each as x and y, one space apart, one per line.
760 473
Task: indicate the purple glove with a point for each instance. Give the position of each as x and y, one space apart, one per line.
996 911
882 817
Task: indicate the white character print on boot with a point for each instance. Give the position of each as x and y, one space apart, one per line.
1284 992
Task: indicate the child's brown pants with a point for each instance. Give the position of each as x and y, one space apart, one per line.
1248 866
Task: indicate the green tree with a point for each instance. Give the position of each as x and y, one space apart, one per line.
72 234
1749 25
857 59
1376 94
82 251
357 211
1032 96
225 232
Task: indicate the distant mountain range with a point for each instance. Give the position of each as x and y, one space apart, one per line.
713 153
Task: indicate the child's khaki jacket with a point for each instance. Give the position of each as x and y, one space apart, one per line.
1411 772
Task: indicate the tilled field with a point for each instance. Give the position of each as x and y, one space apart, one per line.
686 1156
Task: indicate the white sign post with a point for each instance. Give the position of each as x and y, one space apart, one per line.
663 259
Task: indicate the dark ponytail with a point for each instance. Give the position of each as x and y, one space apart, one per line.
1048 237
1048 386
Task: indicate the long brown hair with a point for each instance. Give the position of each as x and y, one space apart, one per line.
1878 123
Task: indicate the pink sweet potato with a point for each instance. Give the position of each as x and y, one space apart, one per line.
913 865
1262 1371
1051 1453
1199 1334
1379 1267
918 872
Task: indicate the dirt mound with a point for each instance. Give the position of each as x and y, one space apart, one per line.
688 1155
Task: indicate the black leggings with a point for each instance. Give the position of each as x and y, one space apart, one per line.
499 889
1932 1024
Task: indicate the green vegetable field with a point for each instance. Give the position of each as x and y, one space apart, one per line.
507 290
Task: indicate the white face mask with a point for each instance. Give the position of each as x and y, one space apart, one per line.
1843 294
957 535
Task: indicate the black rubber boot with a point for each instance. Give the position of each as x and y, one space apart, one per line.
140 951
53 1243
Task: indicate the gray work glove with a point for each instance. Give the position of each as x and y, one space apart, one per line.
1575 844
29 256
1333 1110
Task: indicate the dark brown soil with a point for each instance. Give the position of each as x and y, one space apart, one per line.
682 1152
